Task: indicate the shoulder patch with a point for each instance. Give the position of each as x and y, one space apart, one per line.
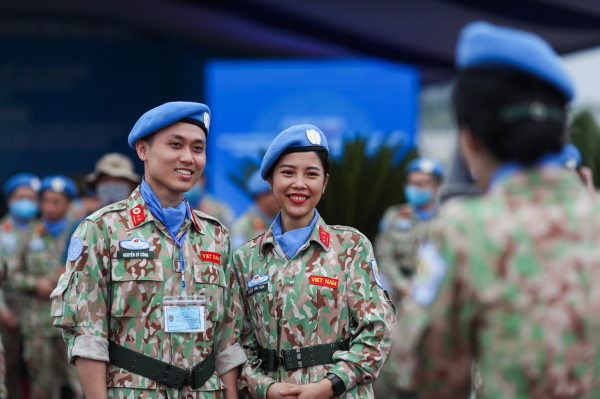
403 224
75 249
375 270
430 273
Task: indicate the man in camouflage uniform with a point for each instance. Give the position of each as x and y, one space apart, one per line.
36 276
257 219
511 277
21 192
125 262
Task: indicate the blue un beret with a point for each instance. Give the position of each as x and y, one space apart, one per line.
166 114
569 157
60 184
256 185
19 180
294 139
486 45
426 165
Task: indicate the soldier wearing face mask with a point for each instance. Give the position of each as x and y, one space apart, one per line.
21 192
113 180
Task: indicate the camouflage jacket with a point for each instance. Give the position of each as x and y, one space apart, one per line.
217 209
249 225
40 257
297 312
397 245
510 278
11 244
106 279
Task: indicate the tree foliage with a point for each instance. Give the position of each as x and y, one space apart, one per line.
585 135
362 185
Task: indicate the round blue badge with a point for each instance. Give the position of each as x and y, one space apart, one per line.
75 249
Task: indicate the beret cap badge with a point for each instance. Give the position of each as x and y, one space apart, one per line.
313 136
206 120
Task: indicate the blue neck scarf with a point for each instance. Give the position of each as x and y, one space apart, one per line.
55 228
172 218
292 240
425 214
21 224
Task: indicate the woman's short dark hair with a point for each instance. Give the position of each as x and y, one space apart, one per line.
324 157
496 105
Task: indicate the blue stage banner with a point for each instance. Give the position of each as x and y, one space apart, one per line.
253 101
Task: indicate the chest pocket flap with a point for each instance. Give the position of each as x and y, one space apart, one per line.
211 282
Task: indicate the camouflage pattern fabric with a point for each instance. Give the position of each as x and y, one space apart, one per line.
106 279
396 247
13 299
511 279
217 209
249 225
43 351
3 390
326 293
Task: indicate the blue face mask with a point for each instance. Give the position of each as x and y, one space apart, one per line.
194 195
24 209
417 196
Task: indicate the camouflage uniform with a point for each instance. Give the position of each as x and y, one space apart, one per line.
217 209
294 313
135 298
43 349
249 225
397 246
511 278
13 299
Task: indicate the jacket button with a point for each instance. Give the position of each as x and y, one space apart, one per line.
72 331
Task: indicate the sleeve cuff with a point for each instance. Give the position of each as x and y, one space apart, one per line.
89 347
229 359
345 371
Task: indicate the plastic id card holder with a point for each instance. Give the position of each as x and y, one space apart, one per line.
184 314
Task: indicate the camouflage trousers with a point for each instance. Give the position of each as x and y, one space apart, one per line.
13 357
48 367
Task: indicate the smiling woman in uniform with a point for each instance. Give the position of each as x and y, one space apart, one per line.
318 321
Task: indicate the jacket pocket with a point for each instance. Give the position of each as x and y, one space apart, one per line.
64 300
136 288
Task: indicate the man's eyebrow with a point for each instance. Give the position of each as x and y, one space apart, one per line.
177 136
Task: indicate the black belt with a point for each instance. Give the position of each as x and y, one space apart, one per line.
159 371
300 357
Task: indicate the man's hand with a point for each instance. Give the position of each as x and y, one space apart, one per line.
319 390
44 287
275 391
8 320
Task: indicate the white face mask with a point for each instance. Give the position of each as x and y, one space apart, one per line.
112 192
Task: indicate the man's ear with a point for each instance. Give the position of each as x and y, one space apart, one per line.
142 148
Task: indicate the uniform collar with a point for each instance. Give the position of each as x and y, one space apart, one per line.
320 234
139 214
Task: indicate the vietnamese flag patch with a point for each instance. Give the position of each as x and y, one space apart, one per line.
324 281
211 257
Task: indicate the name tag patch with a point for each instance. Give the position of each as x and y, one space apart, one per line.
213 257
265 287
135 255
324 281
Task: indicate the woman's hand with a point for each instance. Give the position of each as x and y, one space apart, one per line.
319 390
274 391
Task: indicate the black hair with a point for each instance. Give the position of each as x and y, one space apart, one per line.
323 156
515 115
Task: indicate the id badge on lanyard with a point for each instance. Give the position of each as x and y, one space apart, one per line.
184 314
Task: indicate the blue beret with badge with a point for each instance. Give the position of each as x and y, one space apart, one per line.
60 184
22 180
256 185
569 157
299 138
162 116
426 165
481 44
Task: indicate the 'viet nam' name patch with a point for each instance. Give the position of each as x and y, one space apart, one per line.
324 281
211 257
135 255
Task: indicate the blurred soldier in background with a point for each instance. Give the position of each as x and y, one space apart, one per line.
404 226
206 203
511 277
21 192
44 351
259 216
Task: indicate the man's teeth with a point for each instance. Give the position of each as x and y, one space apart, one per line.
297 197
183 172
